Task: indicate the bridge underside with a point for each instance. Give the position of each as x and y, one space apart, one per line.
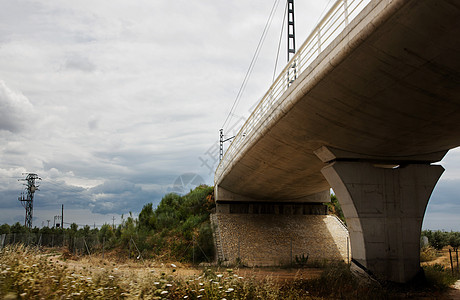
390 94
367 118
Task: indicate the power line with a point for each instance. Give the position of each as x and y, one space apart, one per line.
279 42
251 65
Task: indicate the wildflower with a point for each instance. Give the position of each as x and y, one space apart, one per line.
199 296
156 283
168 284
185 297
163 292
200 283
229 290
219 275
200 290
173 265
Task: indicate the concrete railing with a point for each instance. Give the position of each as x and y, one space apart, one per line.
332 24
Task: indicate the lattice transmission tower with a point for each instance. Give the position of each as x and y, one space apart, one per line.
27 196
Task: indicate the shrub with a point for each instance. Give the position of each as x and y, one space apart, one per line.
427 254
438 277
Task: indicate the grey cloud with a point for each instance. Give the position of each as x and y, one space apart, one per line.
445 197
118 196
15 109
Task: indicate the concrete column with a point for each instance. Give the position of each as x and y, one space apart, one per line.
384 209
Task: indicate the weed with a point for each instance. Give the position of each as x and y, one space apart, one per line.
438 277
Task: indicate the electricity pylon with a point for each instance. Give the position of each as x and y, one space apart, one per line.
27 197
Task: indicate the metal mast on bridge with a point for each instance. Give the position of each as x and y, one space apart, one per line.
292 71
290 30
27 196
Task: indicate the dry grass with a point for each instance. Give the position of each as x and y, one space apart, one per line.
31 274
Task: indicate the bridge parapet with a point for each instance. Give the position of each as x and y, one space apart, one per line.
330 26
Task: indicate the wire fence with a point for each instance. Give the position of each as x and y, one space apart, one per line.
78 245
90 244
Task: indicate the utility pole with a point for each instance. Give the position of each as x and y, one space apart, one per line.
27 197
221 143
62 216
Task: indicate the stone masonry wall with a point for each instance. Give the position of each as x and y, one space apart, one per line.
273 240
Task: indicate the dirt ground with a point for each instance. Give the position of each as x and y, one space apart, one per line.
123 266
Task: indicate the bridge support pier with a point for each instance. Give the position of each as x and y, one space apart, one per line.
384 207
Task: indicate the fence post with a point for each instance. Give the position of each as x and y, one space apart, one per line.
451 263
3 236
291 252
348 250
86 245
456 254
103 242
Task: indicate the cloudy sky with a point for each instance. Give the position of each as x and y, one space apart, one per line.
115 103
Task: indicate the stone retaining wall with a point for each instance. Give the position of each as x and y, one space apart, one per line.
274 240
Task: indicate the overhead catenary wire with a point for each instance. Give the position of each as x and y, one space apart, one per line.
279 42
251 65
322 14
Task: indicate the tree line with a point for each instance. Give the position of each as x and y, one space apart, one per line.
178 228
439 239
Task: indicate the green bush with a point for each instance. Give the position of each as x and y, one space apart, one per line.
438 277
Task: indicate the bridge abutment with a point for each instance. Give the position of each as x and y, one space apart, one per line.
384 207
258 232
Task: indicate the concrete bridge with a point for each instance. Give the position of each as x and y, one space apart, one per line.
368 104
